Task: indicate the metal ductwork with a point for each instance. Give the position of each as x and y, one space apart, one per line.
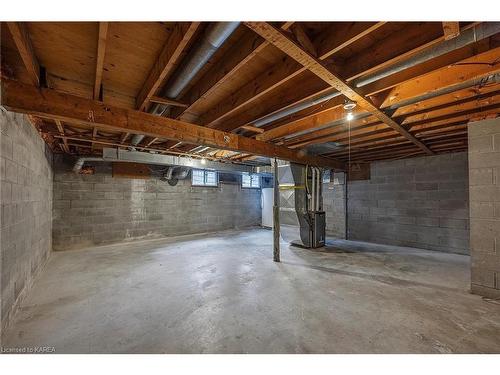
466 37
294 109
120 155
302 221
215 36
81 161
480 81
174 174
136 139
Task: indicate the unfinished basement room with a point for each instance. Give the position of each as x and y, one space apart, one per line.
250 187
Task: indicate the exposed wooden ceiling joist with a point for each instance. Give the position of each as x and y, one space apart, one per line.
476 68
280 74
240 54
168 59
22 40
288 46
331 41
101 51
60 128
451 30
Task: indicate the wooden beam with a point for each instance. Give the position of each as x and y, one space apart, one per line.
19 97
428 67
395 47
303 39
60 128
336 38
123 137
101 51
273 77
281 41
451 30
472 68
468 69
325 44
244 50
252 129
278 75
414 113
168 59
94 135
175 103
376 87
380 130
153 140
318 135
310 122
22 40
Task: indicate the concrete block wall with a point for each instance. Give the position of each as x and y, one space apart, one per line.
484 180
26 208
99 209
418 202
334 205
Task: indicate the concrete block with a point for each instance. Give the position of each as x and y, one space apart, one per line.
481 176
484 277
427 221
485 193
483 143
482 128
427 186
453 223
483 235
26 193
452 204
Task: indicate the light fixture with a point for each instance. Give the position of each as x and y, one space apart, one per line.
203 161
349 105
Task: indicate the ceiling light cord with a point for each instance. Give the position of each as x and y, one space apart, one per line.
349 106
349 140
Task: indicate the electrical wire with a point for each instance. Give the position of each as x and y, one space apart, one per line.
349 143
495 62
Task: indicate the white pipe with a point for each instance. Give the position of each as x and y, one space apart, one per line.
313 197
81 161
318 188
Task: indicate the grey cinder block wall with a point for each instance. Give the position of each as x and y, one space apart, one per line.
26 209
484 179
419 202
100 209
334 205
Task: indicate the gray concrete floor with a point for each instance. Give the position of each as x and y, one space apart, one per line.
221 293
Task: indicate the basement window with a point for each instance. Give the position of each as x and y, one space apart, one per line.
202 177
250 181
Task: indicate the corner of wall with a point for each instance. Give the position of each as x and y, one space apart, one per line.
26 204
484 191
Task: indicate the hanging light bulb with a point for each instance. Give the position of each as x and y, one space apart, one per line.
349 105
203 161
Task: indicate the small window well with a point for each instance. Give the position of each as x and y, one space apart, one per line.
202 177
250 181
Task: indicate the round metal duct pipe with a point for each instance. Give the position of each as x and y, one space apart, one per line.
215 36
466 37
